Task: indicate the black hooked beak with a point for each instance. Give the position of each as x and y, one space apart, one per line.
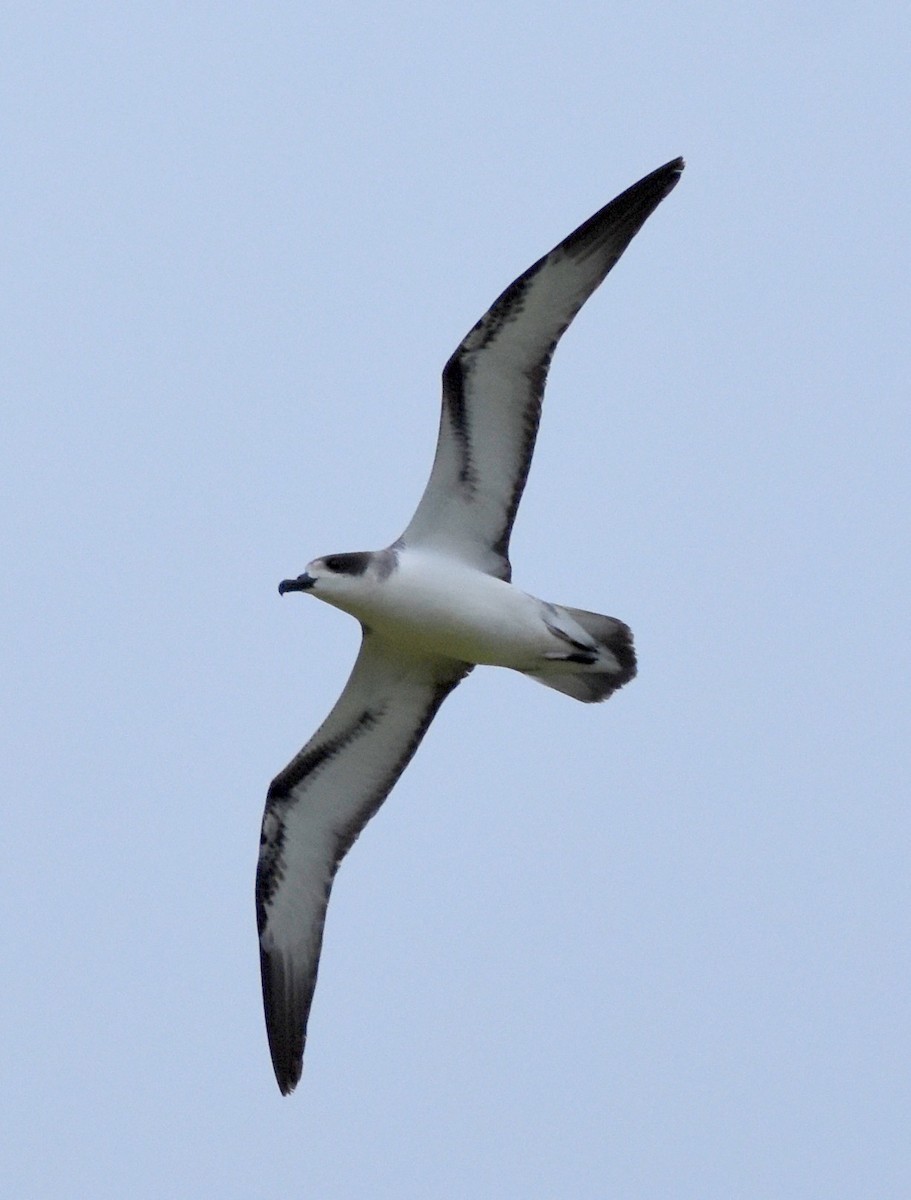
303 583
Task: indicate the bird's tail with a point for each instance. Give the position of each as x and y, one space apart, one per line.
594 659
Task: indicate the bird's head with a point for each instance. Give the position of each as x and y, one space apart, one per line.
338 579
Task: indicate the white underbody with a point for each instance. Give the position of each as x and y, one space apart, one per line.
436 605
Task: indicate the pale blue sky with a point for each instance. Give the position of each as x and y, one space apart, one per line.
656 948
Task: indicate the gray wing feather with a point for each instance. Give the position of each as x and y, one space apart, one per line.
493 384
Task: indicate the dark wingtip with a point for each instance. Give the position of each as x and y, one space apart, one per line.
675 169
614 226
284 1023
661 181
288 1080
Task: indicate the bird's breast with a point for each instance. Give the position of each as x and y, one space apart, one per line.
435 606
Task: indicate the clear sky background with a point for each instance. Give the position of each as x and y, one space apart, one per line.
655 948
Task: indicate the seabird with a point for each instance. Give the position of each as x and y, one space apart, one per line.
433 605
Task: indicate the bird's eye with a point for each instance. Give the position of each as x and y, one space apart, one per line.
347 564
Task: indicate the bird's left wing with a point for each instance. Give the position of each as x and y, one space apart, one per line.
494 383
315 809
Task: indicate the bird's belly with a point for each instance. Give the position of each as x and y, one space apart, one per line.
463 615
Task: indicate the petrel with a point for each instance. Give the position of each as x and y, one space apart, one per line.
433 605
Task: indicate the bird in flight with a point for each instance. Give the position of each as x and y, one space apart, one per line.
433 605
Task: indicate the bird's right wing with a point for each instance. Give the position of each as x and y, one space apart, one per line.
315 809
